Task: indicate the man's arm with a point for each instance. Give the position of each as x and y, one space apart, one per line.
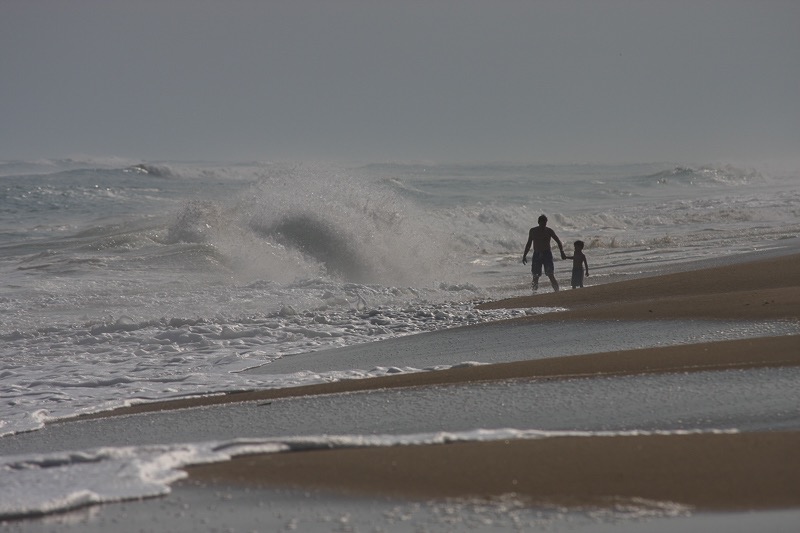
558 241
527 247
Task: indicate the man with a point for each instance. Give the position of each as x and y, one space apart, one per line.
542 255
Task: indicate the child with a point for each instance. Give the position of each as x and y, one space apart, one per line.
578 264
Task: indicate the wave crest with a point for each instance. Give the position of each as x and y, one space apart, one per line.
301 223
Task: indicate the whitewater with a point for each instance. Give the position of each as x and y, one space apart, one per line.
126 281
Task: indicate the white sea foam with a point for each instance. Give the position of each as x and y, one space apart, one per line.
57 372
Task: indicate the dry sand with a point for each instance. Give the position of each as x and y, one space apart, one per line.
708 471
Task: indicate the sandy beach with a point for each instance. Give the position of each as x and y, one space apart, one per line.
709 471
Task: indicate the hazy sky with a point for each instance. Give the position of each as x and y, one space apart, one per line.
460 80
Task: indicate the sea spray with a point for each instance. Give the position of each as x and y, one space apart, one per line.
310 223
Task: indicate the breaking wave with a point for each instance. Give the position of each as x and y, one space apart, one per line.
295 223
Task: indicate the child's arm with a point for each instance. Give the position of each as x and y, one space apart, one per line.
586 264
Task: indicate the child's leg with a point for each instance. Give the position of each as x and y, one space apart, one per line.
577 279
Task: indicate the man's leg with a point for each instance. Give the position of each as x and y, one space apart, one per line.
536 269
549 269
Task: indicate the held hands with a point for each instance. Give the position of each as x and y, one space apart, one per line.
563 255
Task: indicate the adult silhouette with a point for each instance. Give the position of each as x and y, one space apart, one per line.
540 237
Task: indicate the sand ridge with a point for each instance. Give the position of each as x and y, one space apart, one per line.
705 471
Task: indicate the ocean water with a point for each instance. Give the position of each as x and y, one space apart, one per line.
123 281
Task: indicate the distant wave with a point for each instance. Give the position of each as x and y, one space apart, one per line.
53 166
158 171
128 167
702 176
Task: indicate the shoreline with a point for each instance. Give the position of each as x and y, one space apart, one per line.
740 471
775 352
766 289
707 471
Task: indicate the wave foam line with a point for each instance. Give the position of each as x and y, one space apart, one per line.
35 485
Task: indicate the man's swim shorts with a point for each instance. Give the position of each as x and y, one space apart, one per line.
542 259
